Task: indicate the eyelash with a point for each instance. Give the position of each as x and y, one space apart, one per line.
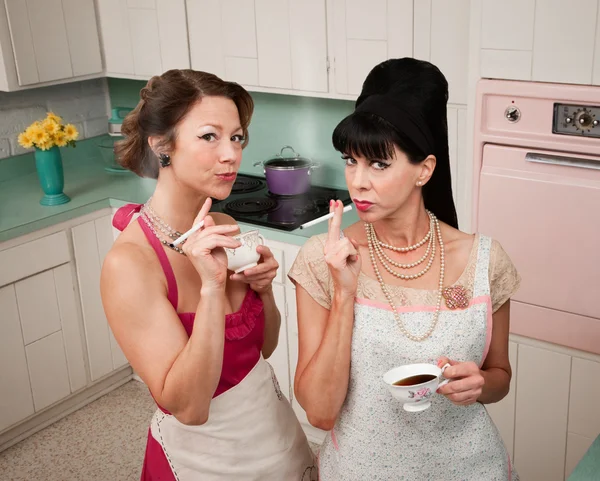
350 161
210 137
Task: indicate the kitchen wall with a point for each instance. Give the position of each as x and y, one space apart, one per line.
81 103
305 123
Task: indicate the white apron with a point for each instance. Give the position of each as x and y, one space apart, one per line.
375 439
252 434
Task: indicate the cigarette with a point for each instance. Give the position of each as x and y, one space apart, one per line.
195 228
324 218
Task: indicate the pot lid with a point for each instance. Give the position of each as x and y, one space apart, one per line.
287 162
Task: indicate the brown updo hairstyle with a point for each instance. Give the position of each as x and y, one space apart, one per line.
164 102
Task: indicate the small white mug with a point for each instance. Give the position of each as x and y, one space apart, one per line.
415 397
245 256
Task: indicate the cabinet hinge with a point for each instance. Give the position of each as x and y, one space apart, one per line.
328 64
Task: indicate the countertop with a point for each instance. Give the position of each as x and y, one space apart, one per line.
91 188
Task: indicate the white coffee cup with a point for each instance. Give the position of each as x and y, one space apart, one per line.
415 397
245 256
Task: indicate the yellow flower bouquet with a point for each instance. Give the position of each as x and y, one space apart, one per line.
46 136
47 133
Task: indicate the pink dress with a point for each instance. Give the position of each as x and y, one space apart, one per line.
172 455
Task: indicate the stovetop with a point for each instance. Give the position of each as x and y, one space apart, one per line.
251 202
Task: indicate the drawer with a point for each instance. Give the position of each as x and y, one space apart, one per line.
33 257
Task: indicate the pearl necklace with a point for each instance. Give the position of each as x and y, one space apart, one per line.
155 223
436 315
386 260
413 247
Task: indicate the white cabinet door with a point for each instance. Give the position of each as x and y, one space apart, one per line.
292 322
261 43
90 242
542 408
205 28
292 44
557 57
503 413
53 39
16 401
43 21
41 317
143 38
82 33
279 359
22 42
442 37
230 29
48 370
116 39
308 45
105 237
273 43
365 34
145 42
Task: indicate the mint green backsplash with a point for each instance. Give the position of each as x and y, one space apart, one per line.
305 123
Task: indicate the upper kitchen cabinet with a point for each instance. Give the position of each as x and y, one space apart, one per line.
43 42
142 38
545 41
274 45
364 34
441 36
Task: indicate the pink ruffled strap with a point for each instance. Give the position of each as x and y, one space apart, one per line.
124 214
241 323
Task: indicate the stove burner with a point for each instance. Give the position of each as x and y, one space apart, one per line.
245 185
251 206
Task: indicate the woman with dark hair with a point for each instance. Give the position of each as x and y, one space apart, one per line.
402 286
195 333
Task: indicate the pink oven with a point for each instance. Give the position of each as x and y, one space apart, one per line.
537 191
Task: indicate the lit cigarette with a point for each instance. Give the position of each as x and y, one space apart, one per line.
179 240
324 218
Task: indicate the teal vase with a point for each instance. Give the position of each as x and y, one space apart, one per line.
50 172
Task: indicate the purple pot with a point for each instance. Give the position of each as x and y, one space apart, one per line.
288 175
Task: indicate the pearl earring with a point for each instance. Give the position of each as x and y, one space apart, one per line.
419 183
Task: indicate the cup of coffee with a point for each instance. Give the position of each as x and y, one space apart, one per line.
414 384
245 256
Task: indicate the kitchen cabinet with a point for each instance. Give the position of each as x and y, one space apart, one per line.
529 40
441 36
541 413
279 360
56 350
274 44
41 357
287 350
143 38
503 412
91 242
45 41
364 34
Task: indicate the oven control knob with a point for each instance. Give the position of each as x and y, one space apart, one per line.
584 119
569 120
512 114
595 123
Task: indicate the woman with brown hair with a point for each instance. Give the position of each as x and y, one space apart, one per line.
197 334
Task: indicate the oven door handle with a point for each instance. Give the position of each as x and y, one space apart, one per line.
593 164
